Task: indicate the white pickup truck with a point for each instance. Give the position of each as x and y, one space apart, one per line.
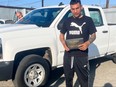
31 48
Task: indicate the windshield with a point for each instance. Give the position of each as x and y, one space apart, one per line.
41 17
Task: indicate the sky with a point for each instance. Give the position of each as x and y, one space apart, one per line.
37 3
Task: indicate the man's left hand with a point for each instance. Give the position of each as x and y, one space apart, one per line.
84 46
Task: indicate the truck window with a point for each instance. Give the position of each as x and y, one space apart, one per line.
41 17
95 14
68 14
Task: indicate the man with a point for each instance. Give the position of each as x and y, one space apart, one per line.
19 15
77 26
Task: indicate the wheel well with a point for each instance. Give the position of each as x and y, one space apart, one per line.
43 52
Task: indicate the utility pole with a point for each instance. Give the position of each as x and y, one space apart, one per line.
42 3
107 3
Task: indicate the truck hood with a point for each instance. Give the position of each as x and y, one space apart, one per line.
16 27
15 31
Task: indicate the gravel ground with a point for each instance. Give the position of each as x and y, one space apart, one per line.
103 74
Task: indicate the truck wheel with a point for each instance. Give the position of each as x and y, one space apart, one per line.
32 71
114 59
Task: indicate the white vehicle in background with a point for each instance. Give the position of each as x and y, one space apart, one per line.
6 21
30 49
110 14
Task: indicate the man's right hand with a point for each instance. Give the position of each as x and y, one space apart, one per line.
62 39
66 48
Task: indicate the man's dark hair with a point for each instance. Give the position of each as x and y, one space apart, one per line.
74 2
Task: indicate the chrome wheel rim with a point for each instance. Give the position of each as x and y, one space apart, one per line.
34 75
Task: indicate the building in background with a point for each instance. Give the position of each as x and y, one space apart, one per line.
7 13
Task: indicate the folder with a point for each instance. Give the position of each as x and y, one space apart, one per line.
73 43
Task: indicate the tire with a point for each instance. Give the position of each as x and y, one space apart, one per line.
114 59
1 22
33 71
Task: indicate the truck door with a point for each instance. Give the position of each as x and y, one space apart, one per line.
100 45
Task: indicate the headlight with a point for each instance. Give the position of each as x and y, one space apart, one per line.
0 48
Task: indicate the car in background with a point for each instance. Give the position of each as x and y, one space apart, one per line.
6 21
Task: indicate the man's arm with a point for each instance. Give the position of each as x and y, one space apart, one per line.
92 38
85 45
62 39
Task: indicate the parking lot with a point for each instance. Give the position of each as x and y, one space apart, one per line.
103 74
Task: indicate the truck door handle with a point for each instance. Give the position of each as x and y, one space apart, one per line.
105 31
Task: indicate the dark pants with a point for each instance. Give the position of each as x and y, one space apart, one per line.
80 66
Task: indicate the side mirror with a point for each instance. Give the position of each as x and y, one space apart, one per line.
60 25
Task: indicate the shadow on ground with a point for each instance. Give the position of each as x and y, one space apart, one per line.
57 79
94 64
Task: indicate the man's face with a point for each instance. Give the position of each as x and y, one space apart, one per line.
76 9
18 15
